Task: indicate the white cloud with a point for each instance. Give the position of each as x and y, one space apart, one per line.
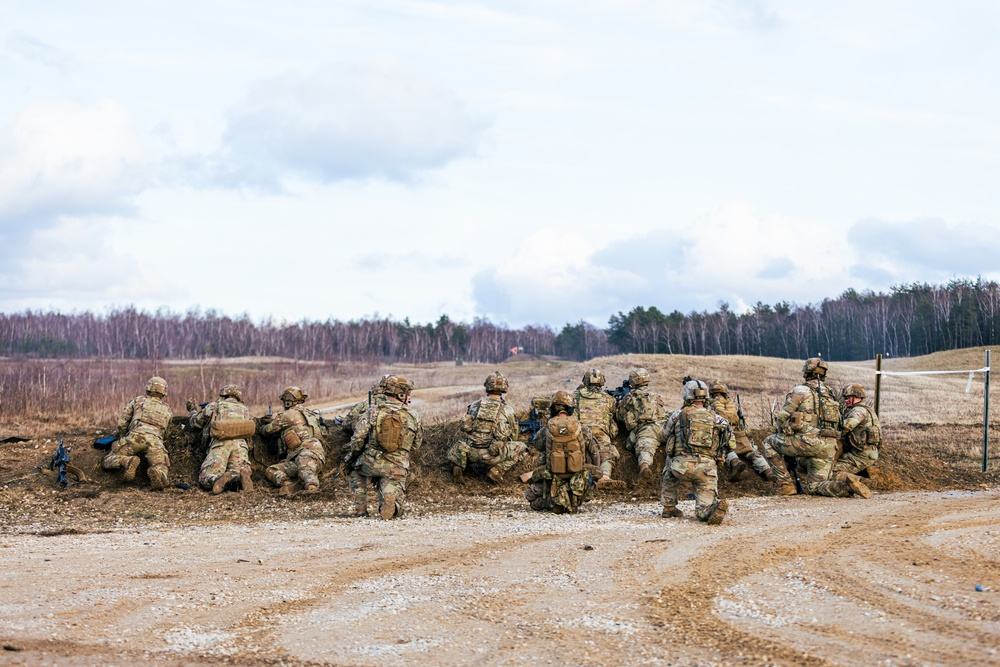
346 121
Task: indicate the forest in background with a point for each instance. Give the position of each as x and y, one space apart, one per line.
910 320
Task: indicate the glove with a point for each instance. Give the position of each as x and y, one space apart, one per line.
494 449
191 405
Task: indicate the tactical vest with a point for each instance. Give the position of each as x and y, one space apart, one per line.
390 428
594 410
565 445
643 407
150 412
485 425
822 412
728 410
304 426
231 421
871 435
697 431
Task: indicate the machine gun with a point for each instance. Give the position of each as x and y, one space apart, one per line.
620 392
533 424
59 463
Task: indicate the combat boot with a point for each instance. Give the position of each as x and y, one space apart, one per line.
457 475
788 489
131 467
223 480
287 488
311 489
643 473
607 483
246 484
158 480
735 468
388 508
719 513
361 508
495 476
672 513
858 487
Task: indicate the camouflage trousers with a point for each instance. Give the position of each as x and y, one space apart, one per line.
816 452
501 454
853 462
386 477
747 451
607 450
561 495
644 440
223 456
304 465
703 474
142 444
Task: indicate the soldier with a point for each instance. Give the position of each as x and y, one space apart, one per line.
490 428
639 410
229 425
386 435
562 482
808 428
596 409
862 434
299 429
141 428
376 396
693 437
745 451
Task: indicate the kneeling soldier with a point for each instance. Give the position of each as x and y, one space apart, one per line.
299 428
141 428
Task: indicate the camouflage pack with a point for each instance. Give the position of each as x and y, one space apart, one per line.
565 445
697 430
231 421
481 424
389 428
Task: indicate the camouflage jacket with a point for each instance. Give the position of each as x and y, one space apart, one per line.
596 409
803 405
681 439
861 427
360 408
228 408
729 410
147 414
367 433
488 420
641 406
299 428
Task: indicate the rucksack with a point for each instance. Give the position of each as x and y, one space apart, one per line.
231 421
565 444
389 429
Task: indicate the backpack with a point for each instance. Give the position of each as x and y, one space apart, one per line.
565 445
647 407
697 427
231 421
389 429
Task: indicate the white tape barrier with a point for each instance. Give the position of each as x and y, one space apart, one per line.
968 385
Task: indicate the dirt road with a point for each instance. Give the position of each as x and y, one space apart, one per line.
786 581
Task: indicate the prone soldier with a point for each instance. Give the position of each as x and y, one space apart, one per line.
745 451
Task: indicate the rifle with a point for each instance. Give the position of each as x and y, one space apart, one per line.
620 392
273 441
59 463
739 413
531 425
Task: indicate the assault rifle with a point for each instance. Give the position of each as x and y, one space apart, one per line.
533 424
621 392
59 463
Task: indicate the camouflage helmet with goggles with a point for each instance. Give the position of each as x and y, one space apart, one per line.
231 391
695 390
853 391
156 385
397 385
718 387
593 378
294 395
639 377
815 366
562 398
495 383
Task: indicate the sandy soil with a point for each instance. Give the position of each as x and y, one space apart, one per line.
245 580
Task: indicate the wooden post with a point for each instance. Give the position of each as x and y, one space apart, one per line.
986 414
878 380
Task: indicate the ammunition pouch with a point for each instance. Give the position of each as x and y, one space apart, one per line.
802 421
232 430
291 438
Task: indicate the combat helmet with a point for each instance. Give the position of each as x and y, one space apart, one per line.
495 383
815 367
853 390
398 386
563 399
231 390
593 378
718 387
156 385
695 390
638 378
293 394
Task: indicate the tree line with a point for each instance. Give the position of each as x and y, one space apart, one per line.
910 320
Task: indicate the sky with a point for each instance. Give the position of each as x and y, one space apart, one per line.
535 162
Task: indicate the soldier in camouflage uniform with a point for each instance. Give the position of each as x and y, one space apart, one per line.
141 428
571 455
386 435
596 409
808 429
693 437
862 434
376 396
229 426
639 410
745 451
299 430
490 428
